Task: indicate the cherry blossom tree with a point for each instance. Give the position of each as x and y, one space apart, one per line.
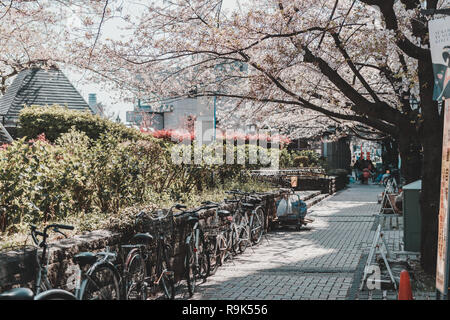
361 64
290 64
41 34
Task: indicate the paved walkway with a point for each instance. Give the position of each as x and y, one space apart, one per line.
324 262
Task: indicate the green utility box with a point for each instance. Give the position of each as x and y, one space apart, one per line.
411 216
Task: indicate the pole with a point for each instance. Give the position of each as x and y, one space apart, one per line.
442 264
445 293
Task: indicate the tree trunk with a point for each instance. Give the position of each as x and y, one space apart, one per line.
411 157
429 200
389 153
431 138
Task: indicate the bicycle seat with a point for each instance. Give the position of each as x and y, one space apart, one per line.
84 258
17 294
142 237
248 205
223 213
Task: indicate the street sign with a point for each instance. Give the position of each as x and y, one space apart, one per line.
443 246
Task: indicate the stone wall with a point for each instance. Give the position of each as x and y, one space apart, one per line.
329 184
18 267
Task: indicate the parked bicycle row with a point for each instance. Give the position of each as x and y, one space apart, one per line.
141 269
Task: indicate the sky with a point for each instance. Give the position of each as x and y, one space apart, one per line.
110 98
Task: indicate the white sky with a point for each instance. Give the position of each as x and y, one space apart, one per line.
110 98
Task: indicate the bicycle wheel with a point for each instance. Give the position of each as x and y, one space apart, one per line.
102 283
190 266
203 258
257 227
233 240
55 294
136 275
223 249
213 255
244 236
166 282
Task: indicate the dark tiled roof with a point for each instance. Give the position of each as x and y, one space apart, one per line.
40 87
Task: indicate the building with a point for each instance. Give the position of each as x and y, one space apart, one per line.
175 114
37 86
181 113
99 108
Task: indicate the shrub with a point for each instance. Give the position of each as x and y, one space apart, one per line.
56 120
301 161
41 181
303 158
77 175
84 166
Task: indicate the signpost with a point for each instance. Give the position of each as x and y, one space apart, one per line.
440 52
442 252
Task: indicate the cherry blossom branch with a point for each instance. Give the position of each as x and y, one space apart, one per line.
390 18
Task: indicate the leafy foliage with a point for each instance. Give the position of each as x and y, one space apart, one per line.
303 158
79 176
56 120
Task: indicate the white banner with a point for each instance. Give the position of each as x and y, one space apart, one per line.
440 55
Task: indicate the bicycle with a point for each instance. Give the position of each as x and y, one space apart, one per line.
222 242
197 260
85 282
102 280
43 289
138 276
249 216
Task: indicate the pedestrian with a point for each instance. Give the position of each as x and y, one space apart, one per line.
385 177
357 167
365 176
371 168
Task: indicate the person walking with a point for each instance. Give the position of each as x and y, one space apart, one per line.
358 168
371 168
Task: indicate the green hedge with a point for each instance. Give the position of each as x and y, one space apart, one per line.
56 120
81 165
304 158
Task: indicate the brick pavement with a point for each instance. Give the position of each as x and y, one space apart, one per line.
323 262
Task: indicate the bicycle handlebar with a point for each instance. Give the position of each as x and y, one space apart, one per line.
169 212
44 234
61 226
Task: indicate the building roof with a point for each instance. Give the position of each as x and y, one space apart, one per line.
39 87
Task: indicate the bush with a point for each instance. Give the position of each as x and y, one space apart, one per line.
304 158
84 166
301 161
56 120
79 176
